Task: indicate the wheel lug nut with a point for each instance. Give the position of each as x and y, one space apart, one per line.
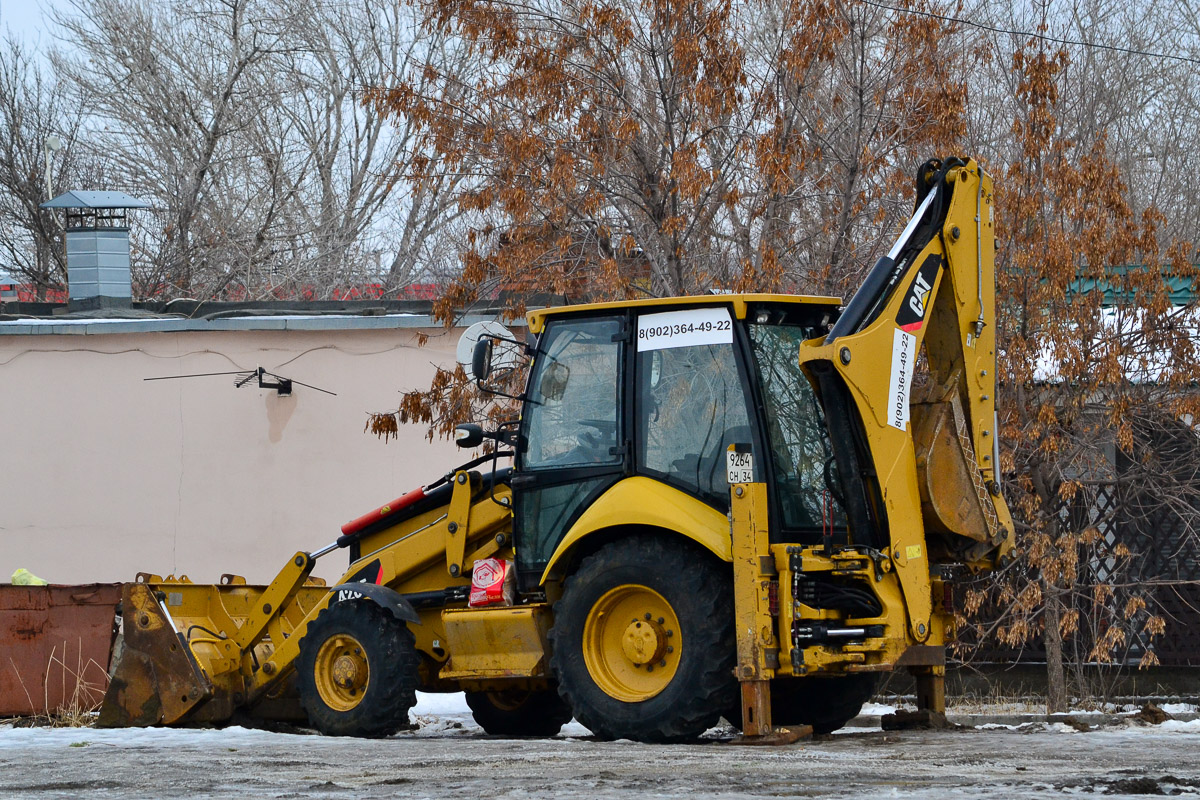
670 634
647 618
661 620
662 663
670 649
649 668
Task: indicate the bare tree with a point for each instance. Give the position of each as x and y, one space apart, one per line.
33 108
248 124
170 87
671 147
1122 81
858 95
367 212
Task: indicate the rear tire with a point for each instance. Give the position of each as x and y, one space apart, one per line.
643 640
825 703
357 671
519 712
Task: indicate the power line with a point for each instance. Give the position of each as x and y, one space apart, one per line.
1041 36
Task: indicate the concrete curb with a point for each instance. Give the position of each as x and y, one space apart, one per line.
873 721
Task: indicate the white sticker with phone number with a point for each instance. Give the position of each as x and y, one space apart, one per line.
691 328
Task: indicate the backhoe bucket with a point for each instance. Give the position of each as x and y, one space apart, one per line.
155 679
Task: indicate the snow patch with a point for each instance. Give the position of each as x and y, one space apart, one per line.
1192 726
233 737
441 703
38 321
573 730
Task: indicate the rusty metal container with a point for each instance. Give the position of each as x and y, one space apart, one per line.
55 646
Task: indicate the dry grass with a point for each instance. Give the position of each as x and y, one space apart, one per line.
82 688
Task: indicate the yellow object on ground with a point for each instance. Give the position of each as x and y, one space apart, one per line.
23 577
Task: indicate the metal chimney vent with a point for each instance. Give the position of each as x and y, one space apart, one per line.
97 240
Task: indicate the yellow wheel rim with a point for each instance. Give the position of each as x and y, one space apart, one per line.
631 643
508 701
342 672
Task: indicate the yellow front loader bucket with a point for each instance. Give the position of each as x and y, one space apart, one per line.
156 679
193 653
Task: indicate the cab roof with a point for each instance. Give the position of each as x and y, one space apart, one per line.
739 302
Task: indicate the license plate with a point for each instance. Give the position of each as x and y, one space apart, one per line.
739 466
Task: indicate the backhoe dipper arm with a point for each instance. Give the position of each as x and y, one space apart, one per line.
907 381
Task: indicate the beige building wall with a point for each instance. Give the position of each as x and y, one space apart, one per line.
105 474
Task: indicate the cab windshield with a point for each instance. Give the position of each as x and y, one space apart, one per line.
574 396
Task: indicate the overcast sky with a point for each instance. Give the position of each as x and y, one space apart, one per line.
24 18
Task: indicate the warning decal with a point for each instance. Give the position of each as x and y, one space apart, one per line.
911 315
904 356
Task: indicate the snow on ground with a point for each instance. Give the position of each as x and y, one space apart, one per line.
435 715
1191 726
446 715
448 756
442 704
442 714
170 738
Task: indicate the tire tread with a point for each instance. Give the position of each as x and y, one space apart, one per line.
394 677
696 575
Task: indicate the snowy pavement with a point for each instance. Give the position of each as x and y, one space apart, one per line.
448 756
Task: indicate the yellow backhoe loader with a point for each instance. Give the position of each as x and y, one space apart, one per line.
746 505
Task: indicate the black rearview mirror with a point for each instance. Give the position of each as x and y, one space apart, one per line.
481 359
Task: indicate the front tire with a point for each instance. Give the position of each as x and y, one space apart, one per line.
519 712
643 640
357 671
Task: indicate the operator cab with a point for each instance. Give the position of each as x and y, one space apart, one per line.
662 389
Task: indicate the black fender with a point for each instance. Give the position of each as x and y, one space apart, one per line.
382 596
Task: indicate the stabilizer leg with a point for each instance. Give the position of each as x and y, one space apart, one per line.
931 688
758 648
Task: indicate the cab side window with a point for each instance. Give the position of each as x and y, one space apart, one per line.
803 457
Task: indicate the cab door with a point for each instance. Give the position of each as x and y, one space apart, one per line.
690 400
572 438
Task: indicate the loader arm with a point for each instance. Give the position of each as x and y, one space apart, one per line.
907 380
197 653
411 562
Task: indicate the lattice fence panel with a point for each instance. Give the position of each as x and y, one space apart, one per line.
1166 560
